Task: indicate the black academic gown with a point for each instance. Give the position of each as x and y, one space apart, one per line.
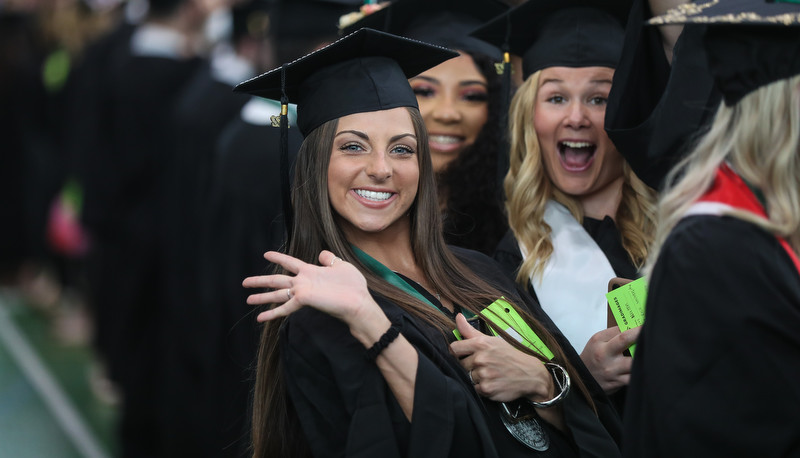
201 113
346 408
127 143
128 187
243 220
31 164
604 232
672 103
718 360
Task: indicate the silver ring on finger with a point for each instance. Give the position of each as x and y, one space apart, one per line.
472 380
334 261
288 293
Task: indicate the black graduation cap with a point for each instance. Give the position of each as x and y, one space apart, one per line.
443 22
568 33
367 70
749 43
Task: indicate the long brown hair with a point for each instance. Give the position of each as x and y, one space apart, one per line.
276 428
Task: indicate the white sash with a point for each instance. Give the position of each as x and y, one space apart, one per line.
575 279
708 208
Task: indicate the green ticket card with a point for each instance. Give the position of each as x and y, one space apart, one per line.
627 305
502 314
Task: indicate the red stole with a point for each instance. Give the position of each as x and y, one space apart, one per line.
729 189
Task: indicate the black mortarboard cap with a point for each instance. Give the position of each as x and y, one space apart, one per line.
564 33
749 43
365 71
446 23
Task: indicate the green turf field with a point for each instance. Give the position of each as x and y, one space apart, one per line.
47 408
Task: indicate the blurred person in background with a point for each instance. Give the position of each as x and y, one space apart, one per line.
40 45
205 408
122 139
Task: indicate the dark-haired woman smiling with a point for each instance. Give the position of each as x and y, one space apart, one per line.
460 102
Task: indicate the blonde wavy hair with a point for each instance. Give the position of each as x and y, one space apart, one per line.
528 188
760 138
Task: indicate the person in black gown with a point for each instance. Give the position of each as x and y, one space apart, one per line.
367 268
123 137
578 215
208 408
718 357
24 194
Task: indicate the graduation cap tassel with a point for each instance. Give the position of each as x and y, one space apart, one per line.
286 195
505 90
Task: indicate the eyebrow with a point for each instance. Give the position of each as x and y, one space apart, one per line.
595 82
364 136
460 83
398 137
354 132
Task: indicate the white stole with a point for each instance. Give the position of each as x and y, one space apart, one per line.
708 208
573 287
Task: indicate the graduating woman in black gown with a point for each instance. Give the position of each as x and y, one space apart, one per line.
718 358
357 357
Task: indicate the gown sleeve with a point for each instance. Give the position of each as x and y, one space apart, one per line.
718 360
347 410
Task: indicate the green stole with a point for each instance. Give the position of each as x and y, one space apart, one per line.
393 279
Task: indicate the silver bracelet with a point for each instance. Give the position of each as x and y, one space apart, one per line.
561 380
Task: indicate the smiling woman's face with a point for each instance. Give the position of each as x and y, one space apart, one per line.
569 115
373 173
454 101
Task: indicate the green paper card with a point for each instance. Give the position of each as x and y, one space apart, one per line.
502 314
627 305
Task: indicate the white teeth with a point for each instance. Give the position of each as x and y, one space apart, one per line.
373 195
577 144
447 139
